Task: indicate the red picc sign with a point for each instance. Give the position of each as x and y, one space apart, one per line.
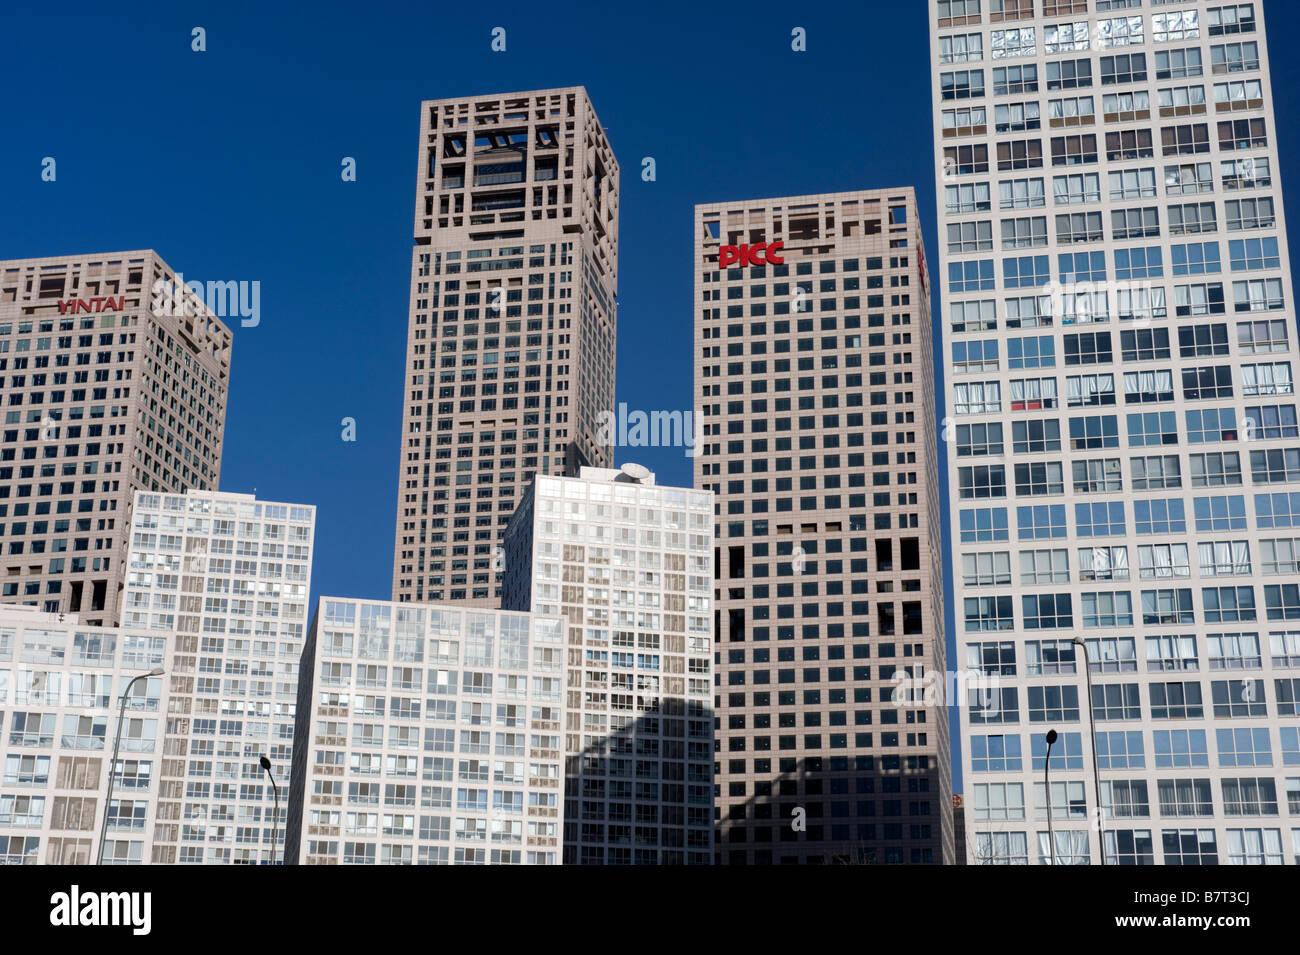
760 253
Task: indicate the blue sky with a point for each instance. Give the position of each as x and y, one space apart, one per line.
227 163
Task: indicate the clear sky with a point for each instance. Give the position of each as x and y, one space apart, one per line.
227 162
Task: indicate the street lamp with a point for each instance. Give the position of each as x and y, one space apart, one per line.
275 837
112 767
1047 787
1096 775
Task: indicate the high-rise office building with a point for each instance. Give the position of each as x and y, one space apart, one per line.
813 382
628 565
1124 454
60 686
103 394
224 579
428 735
510 348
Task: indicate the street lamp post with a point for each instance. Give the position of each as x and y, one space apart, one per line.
112 767
1047 787
1096 775
275 837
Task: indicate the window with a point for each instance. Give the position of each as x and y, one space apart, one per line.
1282 601
1280 556
1271 421
1216 470
1224 558
965 160
1128 144
1223 513
979 439
957 12
1041 522
961 48
1011 80
1032 312
1044 567
1244 747
1032 394
1079 267
1228 604
1099 519
1070 150
1020 154
1152 428
1135 223
1159 516
1172 27
1058 704
1031 352
1234 58
967 198
987 569
1146 387
1071 111
1185 797
1022 233
1128 68
1163 561
1119 31
1074 189
1039 479
1250 172
1116 701
1202 340
1207 382
1178 64
1080 227
1275 466
1192 218
1087 391
1026 272
1126 107
1012 43
1144 344
1108 609
962 84
970 237
973 276
1252 255
1103 563
1199 300
1239 95
1162 607
1173 653
983 525
1189 179
1176 701
1035 436
1089 348
983 481
1156 473
1182 101
1093 432
1258 295
1267 379
980 397
1069 74
1196 258
1046 611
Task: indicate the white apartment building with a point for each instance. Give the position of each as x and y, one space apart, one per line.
428 735
629 566
1124 454
60 686
226 578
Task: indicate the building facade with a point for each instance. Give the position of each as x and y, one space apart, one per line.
1123 446
510 346
428 735
627 564
103 394
224 579
60 685
814 384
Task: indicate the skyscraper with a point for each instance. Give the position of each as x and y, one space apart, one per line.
510 349
103 394
627 564
428 735
814 382
1119 345
222 579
